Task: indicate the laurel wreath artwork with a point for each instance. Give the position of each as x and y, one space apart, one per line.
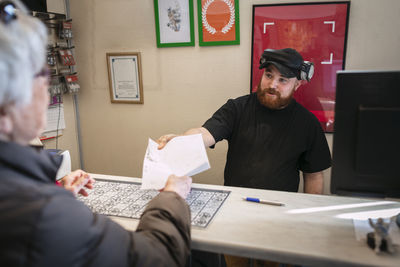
218 22
228 26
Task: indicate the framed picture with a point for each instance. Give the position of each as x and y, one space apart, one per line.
174 22
318 31
125 77
218 22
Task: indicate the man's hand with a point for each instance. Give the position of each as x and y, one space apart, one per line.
76 181
208 139
180 185
163 140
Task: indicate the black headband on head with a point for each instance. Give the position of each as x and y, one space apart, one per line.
289 63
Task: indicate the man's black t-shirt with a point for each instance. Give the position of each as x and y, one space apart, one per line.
267 148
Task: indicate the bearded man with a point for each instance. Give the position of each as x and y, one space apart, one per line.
271 137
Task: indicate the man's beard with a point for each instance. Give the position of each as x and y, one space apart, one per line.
271 102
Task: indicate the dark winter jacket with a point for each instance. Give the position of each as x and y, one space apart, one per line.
42 224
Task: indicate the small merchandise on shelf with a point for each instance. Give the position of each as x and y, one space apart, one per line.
66 30
60 57
72 83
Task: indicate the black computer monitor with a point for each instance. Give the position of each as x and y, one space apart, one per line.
366 139
36 5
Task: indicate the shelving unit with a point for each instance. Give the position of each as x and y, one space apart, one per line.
64 77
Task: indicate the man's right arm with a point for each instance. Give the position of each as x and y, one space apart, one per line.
208 139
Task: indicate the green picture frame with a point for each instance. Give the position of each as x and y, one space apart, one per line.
221 26
174 23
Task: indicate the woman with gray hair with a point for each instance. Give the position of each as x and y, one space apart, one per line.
22 82
42 224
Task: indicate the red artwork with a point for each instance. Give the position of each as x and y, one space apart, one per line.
318 32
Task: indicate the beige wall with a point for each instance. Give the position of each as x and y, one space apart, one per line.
183 86
56 6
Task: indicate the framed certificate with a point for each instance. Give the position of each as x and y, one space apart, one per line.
125 77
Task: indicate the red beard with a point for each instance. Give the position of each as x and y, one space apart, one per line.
274 101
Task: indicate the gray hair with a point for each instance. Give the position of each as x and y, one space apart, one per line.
22 55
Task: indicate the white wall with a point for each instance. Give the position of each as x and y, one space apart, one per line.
183 86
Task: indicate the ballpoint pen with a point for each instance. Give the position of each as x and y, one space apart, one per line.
252 199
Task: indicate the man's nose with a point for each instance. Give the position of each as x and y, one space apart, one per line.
274 83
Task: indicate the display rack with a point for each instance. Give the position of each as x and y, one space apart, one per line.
60 56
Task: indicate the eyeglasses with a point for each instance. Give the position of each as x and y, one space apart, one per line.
44 72
7 12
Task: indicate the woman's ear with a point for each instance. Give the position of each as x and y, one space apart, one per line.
6 124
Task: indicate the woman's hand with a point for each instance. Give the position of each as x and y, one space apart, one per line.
76 181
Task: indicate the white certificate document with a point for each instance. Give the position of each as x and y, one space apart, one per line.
125 77
183 155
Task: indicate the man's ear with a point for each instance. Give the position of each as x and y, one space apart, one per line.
297 84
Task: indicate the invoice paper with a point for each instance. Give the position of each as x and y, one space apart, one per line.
183 155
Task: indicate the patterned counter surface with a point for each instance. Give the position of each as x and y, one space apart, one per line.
126 199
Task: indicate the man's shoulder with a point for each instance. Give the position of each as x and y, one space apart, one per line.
244 100
300 109
247 97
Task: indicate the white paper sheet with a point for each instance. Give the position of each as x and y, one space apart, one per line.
55 118
183 155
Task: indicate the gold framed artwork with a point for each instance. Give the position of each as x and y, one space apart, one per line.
125 77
